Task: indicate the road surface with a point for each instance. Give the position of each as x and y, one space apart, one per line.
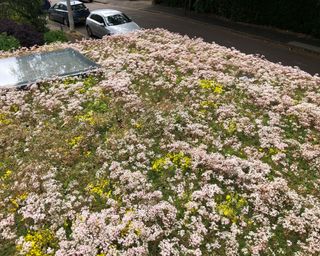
272 50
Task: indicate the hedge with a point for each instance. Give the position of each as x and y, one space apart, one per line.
295 15
26 34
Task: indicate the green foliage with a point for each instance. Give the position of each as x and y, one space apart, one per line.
8 43
8 249
98 106
55 36
26 34
166 167
26 12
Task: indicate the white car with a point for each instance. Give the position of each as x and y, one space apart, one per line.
109 22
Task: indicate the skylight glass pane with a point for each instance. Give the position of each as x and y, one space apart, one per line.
20 71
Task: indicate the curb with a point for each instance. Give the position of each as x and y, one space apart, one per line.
306 47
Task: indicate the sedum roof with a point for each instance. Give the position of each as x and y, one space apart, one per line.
175 146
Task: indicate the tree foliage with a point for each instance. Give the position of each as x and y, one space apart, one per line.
26 34
294 15
24 11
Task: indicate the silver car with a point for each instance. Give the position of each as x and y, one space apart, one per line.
109 22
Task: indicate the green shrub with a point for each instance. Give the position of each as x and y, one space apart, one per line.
55 36
8 42
25 12
26 34
294 15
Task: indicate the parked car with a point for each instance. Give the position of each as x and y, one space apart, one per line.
58 12
109 22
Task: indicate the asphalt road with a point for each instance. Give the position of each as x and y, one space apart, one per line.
273 51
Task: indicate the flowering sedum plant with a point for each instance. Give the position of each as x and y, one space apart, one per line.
174 147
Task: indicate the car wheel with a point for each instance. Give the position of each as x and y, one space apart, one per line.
50 16
89 31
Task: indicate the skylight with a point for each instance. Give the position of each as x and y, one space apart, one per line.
23 70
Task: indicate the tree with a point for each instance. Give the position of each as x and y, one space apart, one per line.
70 16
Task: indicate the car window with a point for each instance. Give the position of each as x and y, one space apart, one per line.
56 6
62 7
118 19
100 19
78 7
97 18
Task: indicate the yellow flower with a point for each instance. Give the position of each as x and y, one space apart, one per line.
273 151
75 141
4 120
179 160
232 127
218 89
23 196
7 174
100 188
159 164
39 241
87 153
138 125
87 118
211 85
208 104
138 231
14 108
15 205
206 84
231 207
82 90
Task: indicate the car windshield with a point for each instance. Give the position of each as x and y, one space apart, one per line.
78 7
118 19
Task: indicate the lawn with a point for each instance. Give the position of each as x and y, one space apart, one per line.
173 147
